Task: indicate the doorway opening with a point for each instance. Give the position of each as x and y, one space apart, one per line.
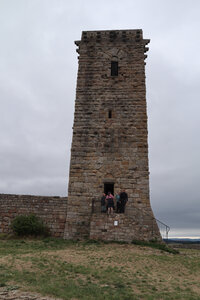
109 187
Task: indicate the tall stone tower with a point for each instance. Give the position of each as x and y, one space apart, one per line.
109 147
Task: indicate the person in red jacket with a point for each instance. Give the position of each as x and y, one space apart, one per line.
110 202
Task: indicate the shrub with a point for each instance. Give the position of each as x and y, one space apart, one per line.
26 225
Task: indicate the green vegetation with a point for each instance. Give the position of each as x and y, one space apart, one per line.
155 244
88 270
26 225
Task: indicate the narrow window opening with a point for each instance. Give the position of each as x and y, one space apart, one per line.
110 114
114 68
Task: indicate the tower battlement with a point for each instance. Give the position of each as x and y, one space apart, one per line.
133 38
113 36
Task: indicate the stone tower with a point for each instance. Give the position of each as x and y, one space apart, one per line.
109 147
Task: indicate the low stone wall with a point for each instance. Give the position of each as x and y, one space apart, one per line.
138 224
52 210
120 227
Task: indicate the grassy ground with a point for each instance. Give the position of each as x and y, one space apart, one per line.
85 270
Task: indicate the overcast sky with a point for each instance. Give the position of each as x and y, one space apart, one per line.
38 68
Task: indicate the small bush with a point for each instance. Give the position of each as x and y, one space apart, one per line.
26 225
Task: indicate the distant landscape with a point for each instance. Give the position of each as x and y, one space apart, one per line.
183 240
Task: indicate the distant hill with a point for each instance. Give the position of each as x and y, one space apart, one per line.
182 241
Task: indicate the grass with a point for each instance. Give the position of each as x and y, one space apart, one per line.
88 270
155 244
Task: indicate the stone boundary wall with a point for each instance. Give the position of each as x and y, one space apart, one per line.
52 210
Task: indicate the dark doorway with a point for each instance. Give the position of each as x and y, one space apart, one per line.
109 187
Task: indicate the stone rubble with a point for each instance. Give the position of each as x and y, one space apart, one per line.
16 294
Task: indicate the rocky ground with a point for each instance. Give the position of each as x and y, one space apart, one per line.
15 294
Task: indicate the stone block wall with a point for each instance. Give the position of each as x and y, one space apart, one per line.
52 210
121 227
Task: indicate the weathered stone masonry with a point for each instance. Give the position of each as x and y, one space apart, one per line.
109 146
52 210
